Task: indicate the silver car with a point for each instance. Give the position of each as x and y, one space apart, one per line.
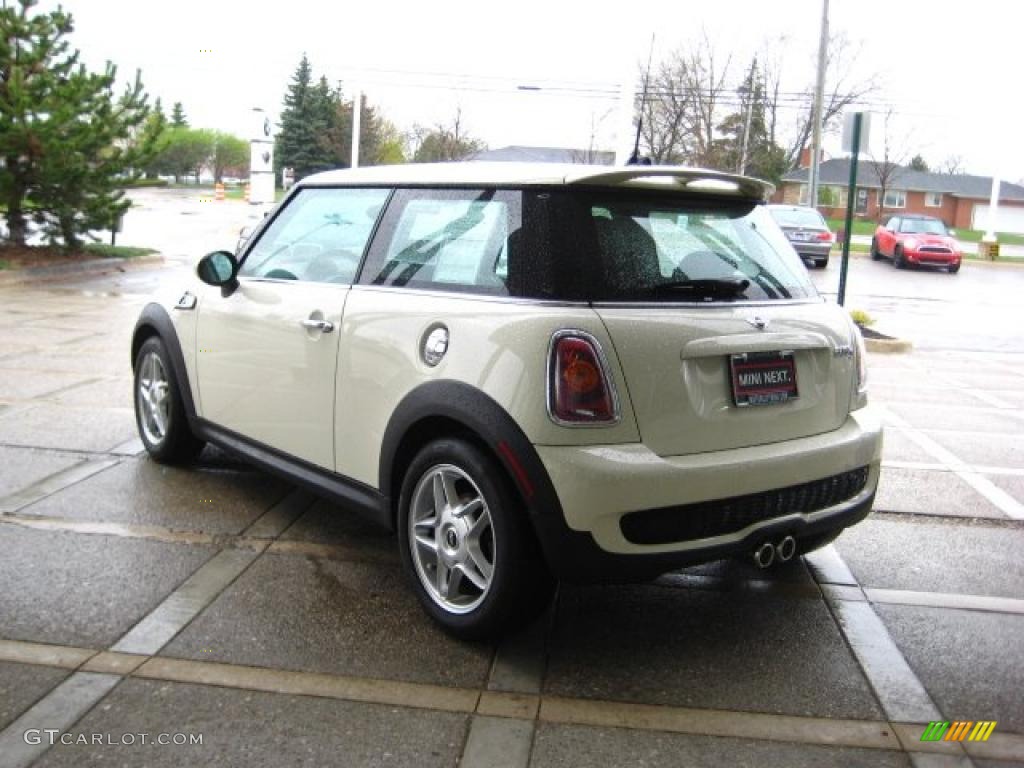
806 230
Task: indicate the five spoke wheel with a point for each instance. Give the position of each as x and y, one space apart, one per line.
153 398
454 552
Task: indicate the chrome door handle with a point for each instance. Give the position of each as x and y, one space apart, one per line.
325 326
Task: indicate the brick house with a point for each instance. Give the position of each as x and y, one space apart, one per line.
960 200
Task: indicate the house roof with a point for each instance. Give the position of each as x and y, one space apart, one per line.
520 154
837 172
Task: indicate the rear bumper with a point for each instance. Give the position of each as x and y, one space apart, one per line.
812 250
598 485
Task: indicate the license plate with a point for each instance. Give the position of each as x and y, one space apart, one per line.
763 378
801 236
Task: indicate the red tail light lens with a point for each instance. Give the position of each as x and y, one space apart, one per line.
579 391
825 237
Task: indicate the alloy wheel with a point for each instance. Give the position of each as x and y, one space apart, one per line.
451 538
153 398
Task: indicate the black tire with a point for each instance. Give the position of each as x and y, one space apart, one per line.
174 443
876 255
898 260
821 263
519 586
954 269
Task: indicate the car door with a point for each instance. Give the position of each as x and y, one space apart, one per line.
268 352
887 238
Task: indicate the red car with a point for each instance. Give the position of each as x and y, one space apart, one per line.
910 239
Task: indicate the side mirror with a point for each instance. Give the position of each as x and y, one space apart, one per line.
219 268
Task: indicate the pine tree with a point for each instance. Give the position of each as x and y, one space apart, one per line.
178 119
65 140
297 144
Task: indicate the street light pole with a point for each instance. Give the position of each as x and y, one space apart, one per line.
819 98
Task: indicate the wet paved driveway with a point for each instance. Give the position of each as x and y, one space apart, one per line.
219 602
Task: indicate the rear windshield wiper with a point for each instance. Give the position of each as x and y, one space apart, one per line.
712 288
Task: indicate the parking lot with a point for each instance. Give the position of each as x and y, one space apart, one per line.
217 601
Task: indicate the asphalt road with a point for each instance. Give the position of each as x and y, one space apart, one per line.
217 602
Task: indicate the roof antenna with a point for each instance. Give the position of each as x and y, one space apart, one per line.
635 159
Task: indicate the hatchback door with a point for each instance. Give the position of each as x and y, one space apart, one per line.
268 353
722 339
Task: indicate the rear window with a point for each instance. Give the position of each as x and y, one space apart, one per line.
655 249
796 217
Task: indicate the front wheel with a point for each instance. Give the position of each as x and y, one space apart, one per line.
465 543
876 254
159 410
954 269
899 260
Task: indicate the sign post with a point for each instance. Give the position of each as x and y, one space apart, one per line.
852 130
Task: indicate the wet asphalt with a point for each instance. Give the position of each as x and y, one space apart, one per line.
221 602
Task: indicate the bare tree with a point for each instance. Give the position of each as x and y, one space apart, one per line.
443 142
889 166
842 91
953 165
680 113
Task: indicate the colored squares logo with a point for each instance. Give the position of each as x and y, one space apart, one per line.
958 730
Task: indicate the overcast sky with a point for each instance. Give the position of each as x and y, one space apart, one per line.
951 72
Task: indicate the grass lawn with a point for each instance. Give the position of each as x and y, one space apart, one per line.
14 257
106 251
966 235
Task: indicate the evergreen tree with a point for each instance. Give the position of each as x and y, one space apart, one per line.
153 133
764 158
65 140
918 163
297 144
178 119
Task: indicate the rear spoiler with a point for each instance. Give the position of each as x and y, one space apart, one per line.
699 180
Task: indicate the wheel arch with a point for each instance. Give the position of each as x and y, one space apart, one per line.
154 321
452 408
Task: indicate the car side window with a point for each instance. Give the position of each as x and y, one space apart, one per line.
319 236
446 240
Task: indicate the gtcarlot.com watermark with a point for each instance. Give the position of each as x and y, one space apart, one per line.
53 736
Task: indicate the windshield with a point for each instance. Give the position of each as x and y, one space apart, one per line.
797 217
923 227
656 249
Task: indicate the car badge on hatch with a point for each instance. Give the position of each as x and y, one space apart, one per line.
758 322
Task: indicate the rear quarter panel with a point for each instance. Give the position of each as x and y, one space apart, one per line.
498 346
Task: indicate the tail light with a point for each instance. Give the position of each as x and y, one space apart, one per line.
825 237
580 389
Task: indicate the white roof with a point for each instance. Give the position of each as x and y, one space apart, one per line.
677 178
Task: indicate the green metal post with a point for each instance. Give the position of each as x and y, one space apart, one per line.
851 196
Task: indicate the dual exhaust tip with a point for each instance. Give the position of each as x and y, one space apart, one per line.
782 551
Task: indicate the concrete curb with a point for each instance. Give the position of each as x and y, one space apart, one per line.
76 268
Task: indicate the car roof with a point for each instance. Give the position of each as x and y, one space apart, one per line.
917 216
785 207
665 177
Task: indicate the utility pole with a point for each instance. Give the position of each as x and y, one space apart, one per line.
819 98
750 114
357 110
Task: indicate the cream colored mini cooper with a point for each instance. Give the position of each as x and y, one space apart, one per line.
529 372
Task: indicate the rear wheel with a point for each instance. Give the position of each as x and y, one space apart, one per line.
953 269
465 543
821 263
159 410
